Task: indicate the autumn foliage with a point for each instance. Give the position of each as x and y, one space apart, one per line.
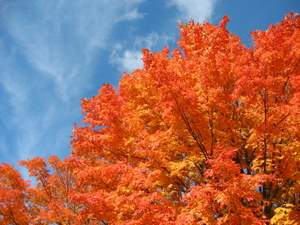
206 134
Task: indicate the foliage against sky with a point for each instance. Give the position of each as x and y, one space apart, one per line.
52 53
207 133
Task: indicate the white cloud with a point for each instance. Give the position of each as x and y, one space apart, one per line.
198 10
131 15
129 59
61 37
150 41
126 60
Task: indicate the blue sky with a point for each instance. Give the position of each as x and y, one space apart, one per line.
53 53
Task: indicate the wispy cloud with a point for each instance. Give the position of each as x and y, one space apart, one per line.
128 58
198 10
46 50
59 38
131 15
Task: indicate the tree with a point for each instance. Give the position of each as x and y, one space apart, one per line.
207 134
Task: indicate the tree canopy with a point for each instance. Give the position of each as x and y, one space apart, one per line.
208 133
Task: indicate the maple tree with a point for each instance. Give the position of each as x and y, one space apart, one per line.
206 134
